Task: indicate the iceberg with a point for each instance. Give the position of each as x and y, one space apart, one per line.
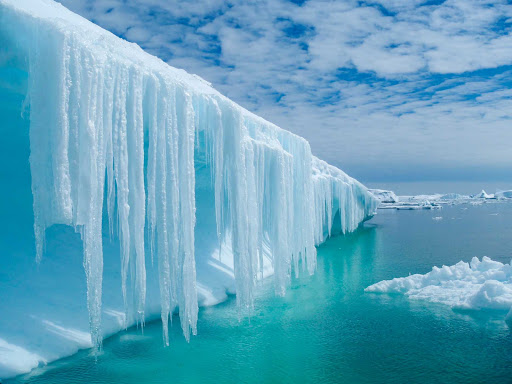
389 200
483 195
477 285
503 195
165 193
384 196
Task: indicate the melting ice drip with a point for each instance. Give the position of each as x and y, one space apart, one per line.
105 116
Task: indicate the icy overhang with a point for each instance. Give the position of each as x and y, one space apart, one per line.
122 144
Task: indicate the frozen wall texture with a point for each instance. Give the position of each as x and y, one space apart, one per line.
167 194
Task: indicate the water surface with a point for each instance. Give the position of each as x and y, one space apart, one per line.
327 329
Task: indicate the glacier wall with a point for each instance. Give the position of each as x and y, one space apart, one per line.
169 193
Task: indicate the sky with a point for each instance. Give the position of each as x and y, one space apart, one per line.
387 90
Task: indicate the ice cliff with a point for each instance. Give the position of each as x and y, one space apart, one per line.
198 196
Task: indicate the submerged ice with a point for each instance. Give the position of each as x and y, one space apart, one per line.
119 137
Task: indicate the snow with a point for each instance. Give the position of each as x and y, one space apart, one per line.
384 196
165 193
477 285
483 195
389 200
18 359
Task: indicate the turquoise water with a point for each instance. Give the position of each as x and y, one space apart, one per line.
327 329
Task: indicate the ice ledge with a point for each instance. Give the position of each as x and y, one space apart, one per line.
216 195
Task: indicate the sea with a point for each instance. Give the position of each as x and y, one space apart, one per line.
326 329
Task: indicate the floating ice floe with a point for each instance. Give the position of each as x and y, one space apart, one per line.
477 285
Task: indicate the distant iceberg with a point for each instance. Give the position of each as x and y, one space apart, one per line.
389 200
199 197
483 195
503 194
384 196
480 284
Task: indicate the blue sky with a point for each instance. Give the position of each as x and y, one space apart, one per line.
384 89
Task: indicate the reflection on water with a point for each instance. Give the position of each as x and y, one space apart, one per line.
326 329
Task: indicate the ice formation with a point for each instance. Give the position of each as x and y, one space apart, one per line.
389 200
119 137
483 195
480 284
384 196
503 195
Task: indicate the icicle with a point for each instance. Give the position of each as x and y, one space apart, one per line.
93 136
153 130
161 131
137 197
91 102
109 156
188 300
120 159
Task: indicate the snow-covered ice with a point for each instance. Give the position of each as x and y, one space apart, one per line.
483 195
477 285
199 197
384 196
389 200
503 194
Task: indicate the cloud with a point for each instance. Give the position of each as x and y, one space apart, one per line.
382 87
